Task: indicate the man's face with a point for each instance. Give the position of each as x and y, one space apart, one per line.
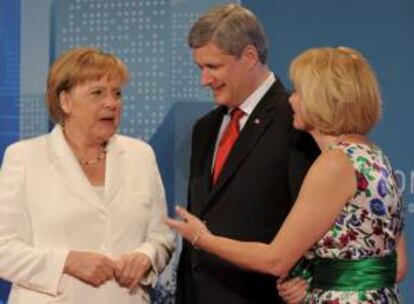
227 76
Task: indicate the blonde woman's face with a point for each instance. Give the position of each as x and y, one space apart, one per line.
94 108
296 103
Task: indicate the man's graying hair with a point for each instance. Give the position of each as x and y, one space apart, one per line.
231 28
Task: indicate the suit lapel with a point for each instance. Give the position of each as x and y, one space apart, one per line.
206 145
258 122
68 167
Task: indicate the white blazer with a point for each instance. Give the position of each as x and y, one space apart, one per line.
48 207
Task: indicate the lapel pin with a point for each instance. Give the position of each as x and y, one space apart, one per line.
257 121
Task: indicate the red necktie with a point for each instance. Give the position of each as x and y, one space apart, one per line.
227 140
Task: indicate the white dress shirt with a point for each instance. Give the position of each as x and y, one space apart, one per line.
247 107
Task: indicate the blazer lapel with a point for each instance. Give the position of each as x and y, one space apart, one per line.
68 167
255 127
114 169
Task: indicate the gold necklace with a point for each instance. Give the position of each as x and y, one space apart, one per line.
94 160
85 162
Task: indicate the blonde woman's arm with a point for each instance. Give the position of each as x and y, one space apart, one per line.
329 184
402 263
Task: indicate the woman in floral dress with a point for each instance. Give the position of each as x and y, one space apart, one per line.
366 228
348 215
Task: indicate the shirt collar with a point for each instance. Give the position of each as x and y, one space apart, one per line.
251 102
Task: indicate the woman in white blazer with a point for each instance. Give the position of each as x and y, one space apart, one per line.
82 208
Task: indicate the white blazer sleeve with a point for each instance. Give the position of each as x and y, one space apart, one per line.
160 241
38 269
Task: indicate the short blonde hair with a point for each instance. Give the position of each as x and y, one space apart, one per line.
76 66
339 90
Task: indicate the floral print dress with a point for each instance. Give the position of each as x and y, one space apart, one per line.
368 225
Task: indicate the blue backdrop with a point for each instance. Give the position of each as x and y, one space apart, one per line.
9 84
164 97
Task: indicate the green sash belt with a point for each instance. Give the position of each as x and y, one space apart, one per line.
354 275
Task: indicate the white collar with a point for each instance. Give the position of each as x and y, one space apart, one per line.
251 102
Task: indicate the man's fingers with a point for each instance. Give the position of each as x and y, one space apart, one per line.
288 284
293 291
298 298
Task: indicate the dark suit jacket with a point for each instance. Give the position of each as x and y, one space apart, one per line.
250 200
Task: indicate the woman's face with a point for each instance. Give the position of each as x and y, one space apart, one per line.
296 103
93 109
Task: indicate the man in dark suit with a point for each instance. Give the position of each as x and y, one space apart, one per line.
247 193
